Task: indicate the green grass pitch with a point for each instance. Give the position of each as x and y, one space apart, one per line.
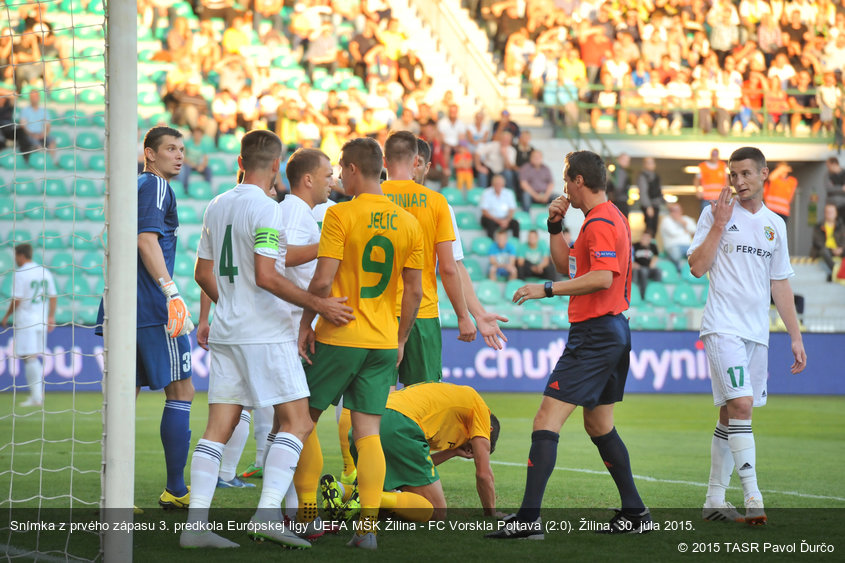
799 456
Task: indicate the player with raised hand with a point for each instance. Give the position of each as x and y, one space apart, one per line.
367 245
591 372
744 250
254 362
423 353
163 321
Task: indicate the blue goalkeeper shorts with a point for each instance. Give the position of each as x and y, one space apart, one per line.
161 360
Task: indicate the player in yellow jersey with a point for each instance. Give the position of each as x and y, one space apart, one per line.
367 245
423 360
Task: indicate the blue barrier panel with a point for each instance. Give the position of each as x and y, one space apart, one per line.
661 362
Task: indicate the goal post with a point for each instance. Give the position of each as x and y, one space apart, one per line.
121 272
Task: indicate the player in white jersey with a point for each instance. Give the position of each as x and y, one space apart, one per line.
743 247
254 359
33 305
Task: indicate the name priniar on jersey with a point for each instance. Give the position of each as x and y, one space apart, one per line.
746 249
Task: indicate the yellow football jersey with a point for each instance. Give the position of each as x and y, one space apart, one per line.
449 415
374 241
432 211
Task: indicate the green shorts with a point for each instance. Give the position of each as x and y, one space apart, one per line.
423 359
406 452
361 376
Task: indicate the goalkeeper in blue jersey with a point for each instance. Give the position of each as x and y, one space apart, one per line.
163 324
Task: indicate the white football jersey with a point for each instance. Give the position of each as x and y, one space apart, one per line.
319 211
457 247
33 285
752 252
238 224
301 229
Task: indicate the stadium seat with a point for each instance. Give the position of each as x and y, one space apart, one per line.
86 187
474 269
92 97
62 96
19 236
178 187
473 196
86 310
88 140
75 118
66 212
454 196
7 209
524 219
97 163
686 296
62 264
668 272
55 187
95 212
560 319
39 160
27 187
148 98
229 144
218 166
188 215
656 294
12 161
511 287
71 162
7 263
7 286
98 285
190 289
35 211
481 246
192 242
62 137
51 240
92 263
489 292
184 265
448 318
533 320
532 305
83 240
77 285
467 221
200 189
678 321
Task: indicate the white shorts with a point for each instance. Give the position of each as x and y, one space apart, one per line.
30 341
738 368
256 375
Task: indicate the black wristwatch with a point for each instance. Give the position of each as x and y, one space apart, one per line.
548 287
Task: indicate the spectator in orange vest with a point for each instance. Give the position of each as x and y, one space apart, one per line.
710 179
779 190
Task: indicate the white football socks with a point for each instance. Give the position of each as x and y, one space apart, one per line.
721 467
205 465
741 441
279 468
234 448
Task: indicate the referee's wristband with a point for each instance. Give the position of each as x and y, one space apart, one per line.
554 227
548 287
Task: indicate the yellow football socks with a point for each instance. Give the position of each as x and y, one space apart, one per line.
307 477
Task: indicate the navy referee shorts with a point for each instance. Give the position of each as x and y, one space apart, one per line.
594 365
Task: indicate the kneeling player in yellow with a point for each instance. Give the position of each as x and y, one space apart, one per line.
367 245
450 420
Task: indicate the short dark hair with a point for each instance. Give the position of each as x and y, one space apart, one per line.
749 153
494 432
153 138
259 148
833 160
365 153
400 145
424 150
589 166
25 250
302 162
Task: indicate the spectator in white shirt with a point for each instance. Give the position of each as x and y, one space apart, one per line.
498 205
677 230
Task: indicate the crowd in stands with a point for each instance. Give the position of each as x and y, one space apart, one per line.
667 65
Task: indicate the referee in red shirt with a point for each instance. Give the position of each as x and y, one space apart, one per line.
591 372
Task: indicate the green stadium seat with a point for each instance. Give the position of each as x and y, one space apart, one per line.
92 263
148 98
489 292
64 313
27 187
7 209
533 320
678 321
473 196
481 246
474 269
7 286
83 240
62 96
98 284
75 118
71 162
656 294
65 212
467 221
88 140
511 287
454 196
532 305
19 236
98 118
9 160
192 242
77 286
229 144
92 96
55 187
685 296
524 220
87 187
35 211
560 319
200 189
652 321
636 298
95 212
184 265
687 276
86 310
7 263
218 166
51 240
668 272
188 215
41 161
190 290
62 264
448 318
97 163
178 187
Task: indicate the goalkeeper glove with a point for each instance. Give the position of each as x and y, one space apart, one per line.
178 317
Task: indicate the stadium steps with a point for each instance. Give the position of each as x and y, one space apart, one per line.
824 302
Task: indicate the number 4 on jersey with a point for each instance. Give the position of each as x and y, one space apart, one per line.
227 268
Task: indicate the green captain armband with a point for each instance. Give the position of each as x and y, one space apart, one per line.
267 238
